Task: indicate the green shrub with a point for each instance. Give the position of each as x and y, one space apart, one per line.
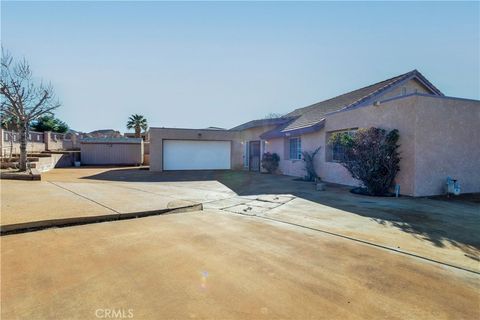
270 162
370 156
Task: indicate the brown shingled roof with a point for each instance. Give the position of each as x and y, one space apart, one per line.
313 114
261 123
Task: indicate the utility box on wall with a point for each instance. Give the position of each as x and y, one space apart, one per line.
111 151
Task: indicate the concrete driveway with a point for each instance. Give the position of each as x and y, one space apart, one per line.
67 196
263 247
207 265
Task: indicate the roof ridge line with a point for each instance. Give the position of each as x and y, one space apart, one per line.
379 90
358 89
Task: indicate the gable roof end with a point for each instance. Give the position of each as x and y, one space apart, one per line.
311 117
395 82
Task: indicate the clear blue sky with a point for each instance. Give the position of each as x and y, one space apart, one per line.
193 64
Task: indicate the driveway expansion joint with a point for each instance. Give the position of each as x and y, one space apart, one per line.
82 196
78 221
363 242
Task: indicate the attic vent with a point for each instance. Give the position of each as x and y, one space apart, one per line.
404 91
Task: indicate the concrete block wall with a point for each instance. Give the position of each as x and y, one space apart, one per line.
55 161
49 141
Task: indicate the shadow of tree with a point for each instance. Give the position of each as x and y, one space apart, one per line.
439 222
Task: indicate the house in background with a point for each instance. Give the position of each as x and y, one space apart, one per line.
439 137
104 133
144 135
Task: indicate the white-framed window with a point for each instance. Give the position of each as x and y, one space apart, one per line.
295 147
337 151
38 137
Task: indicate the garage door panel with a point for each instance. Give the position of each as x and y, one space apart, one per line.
196 155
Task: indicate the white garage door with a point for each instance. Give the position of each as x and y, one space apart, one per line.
195 155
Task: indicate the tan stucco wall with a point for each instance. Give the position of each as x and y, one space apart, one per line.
157 135
388 116
399 115
410 86
438 137
447 143
253 134
296 167
146 153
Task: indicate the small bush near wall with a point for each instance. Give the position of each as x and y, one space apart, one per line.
370 156
270 162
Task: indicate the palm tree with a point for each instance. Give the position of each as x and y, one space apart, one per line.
137 122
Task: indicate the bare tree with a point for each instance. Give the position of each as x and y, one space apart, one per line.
23 98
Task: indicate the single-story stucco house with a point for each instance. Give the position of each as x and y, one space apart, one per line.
439 137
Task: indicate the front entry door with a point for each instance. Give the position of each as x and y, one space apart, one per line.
254 156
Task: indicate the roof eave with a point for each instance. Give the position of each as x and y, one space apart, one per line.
420 77
293 132
261 123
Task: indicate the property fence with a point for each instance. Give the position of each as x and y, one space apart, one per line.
15 136
37 142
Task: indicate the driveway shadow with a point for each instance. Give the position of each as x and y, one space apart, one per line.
436 221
